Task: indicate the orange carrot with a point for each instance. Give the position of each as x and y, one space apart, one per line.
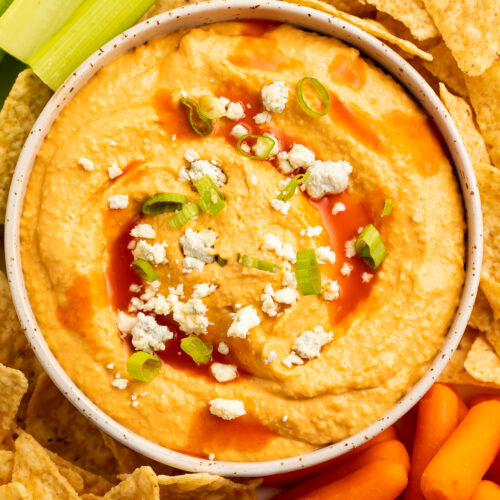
294 477
483 397
493 473
439 413
459 465
393 451
487 491
380 480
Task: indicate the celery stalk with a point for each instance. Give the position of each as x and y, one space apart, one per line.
93 24
3 5
27 24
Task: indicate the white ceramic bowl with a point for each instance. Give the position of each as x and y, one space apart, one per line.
192 16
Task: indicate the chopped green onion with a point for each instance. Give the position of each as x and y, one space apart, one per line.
307 272
143 366
200 351
28 24
187 212
370 247
212 107
321 91
387 210
262 265
91 25
163 202
144 269
199 123
291 187
222 262
211 198
263 138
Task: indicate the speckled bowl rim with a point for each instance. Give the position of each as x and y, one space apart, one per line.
195 15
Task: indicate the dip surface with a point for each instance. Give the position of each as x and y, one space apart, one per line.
384 327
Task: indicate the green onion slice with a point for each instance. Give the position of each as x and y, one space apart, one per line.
370 247
264 138
145 270
211 198
320 90
212 107
163 202
291 187
307 272
262 265
222 262
187 212
143 366
198 121
200 351
387 210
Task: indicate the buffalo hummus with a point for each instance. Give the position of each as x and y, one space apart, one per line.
295 338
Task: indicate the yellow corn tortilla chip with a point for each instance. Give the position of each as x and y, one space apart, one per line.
13 386
19 113
37 473
6 464
142 484
411 13
129 460
59 427
484 94
14 491
445 68
482 315
463 117
369 25
470 30
482 362
205 487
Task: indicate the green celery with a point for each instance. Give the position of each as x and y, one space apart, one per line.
93 24
28 24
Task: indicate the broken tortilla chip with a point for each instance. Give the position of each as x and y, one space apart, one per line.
18 115
482 315
470 30
14 491
6 464
411 13
34 469
462 115
369 25
205 487
482 362
13 386
142 484
484 94
58 426
444 67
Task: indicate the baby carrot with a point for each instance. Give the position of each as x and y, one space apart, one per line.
487 491
393 451
380 480
483 397
439 413
494 471
458 467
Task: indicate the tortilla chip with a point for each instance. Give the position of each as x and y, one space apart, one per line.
482 362
445 68
369 25
14 491
470 30
6 464
37 473
462 115
411 13
482 315
58 426
129 460
19 113
13 386
205 487
92 483
484 94
142 484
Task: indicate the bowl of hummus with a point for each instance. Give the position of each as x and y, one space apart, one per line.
244 240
